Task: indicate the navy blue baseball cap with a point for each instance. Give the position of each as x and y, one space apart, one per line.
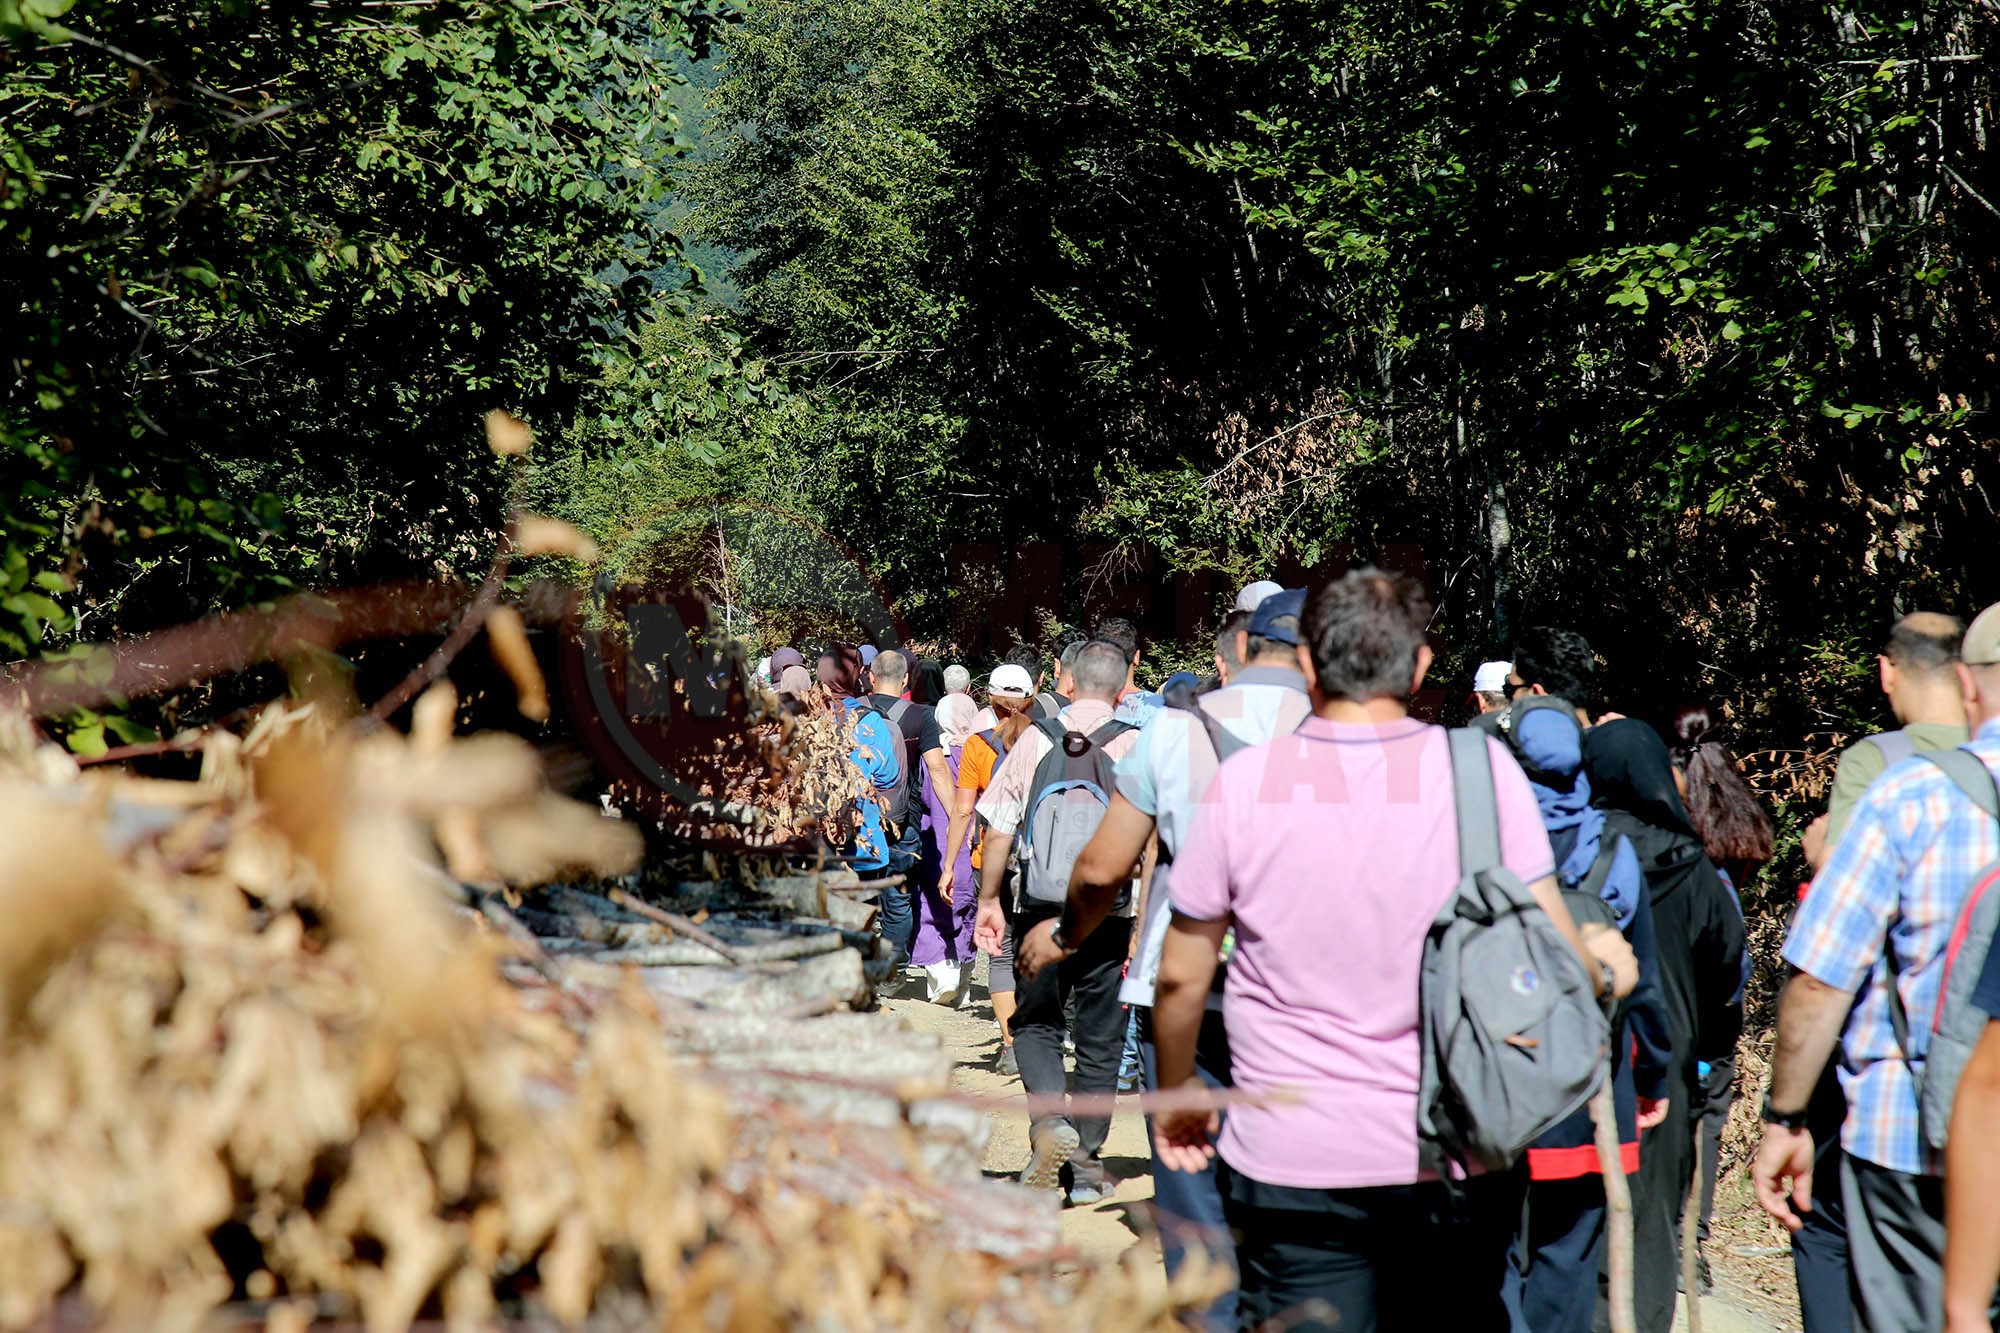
1287 605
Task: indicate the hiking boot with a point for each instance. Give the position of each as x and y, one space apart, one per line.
1006 1064
1702 1276
1053 1141
1089 1182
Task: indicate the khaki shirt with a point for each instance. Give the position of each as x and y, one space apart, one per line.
1861 763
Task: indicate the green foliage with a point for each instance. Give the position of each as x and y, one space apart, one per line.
1669 322
263 266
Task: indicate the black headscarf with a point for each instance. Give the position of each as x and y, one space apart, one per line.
928 686
1631 770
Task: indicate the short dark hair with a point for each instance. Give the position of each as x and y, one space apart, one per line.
1364 631
1122 633
1257 645
1925 641
1225 638
1561 662
1100 667
1021 655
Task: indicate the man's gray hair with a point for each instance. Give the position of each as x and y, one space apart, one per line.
957 680
1100 668
890 665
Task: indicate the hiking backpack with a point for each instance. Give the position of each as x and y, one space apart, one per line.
1512 1040
1067 799
913 767
1956 1023
895 800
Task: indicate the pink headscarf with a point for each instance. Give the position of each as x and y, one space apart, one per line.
957 717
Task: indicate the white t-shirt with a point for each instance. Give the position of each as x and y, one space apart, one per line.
1166 772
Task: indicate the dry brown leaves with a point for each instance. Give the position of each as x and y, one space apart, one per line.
251 1051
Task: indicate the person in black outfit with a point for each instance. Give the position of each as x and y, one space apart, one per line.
1699 930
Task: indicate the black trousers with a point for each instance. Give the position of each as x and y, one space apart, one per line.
1819 1250
1089 980
1659 1193
1375 1260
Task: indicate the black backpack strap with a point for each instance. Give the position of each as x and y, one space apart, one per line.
1222 741
1600 868
1472 794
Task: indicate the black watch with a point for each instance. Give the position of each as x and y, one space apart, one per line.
1056 938
1792 1120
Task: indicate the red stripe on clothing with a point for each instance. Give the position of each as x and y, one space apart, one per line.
1581 1160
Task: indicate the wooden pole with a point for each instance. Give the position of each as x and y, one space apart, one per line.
1617 1204
1690 1239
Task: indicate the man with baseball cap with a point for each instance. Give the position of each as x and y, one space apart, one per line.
1876 924
1253 594
1489 686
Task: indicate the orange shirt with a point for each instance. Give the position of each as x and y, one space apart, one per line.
975 773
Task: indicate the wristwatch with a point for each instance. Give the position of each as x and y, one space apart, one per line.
1609 995
1056 938
1792 1120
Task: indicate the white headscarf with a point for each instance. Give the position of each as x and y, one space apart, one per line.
956 714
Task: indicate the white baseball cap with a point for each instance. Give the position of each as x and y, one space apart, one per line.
1010 681
1491 678
1254 593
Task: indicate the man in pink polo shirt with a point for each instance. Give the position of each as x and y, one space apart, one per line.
1329 851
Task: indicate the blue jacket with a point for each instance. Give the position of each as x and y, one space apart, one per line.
1641 1051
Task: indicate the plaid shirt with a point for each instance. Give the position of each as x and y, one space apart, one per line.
1914 849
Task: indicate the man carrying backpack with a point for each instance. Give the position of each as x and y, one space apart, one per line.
919 847
1883 919
1159 783
1047 798
1972 1154
1916 672
1334 853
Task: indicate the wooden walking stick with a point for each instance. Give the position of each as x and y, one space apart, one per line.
1617 1203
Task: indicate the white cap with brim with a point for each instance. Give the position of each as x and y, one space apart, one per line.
1248 599
1491 678
1011 681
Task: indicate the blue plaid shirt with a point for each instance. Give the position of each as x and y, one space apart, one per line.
1894 884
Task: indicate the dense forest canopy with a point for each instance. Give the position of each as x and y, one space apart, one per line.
1668 322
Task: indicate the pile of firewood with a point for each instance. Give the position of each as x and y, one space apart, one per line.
259 1057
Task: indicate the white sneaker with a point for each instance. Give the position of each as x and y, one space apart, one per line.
944 984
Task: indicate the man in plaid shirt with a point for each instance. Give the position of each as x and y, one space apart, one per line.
1880 914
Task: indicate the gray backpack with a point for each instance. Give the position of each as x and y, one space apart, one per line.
1067 799
1957 1023
1513 1041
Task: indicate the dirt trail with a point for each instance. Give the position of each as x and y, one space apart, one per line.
1120 1228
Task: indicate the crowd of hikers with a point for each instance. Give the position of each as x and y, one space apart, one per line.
1427 964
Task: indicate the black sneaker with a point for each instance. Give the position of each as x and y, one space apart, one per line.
1702 1276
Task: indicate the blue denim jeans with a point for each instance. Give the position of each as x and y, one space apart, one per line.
1187 1206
